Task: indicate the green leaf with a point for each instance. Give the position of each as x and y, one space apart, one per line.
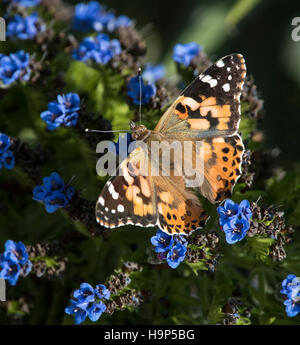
259 246
197 266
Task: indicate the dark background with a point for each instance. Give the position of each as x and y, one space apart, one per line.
259 29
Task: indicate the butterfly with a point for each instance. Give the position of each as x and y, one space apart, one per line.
208 110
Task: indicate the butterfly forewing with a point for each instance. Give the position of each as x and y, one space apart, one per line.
210 105
128 197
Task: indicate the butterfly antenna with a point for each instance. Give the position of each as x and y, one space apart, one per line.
112 131
140 102
258 199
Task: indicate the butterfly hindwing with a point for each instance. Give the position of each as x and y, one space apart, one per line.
222 166
179 210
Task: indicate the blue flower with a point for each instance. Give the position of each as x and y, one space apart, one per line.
24 28
7 158
185 53
153 73
115 23
5 142
53 120
53 193
86 15
9 71
62 112
236 229
39 193
95 311
54 183
10 270
22 60
16 252
106 49
70 102
14 67
55 201
71 120
86 50
133 91
79 309
102 292
14 262
292 306
85 293
176 255
245 209
99 49
103 53
88 302
27 3
291 286
229 211
162 241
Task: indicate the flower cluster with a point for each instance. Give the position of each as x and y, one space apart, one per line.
234 219
88 302
134 86
99 49
269 220
291 288
41 253
185 53
62 112
203 247
153 73
26 3
7 158
53 193
93 16
14 262
13 67
169 248
24 28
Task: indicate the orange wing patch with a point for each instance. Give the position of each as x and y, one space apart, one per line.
179 211
199 115
182 219
222 166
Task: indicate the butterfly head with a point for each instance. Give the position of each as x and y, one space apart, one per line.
138 131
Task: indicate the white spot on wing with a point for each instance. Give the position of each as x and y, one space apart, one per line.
120 208
101 200
220 63
206 78
112 191
226 87
213 82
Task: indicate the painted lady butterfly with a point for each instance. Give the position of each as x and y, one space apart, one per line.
208 110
